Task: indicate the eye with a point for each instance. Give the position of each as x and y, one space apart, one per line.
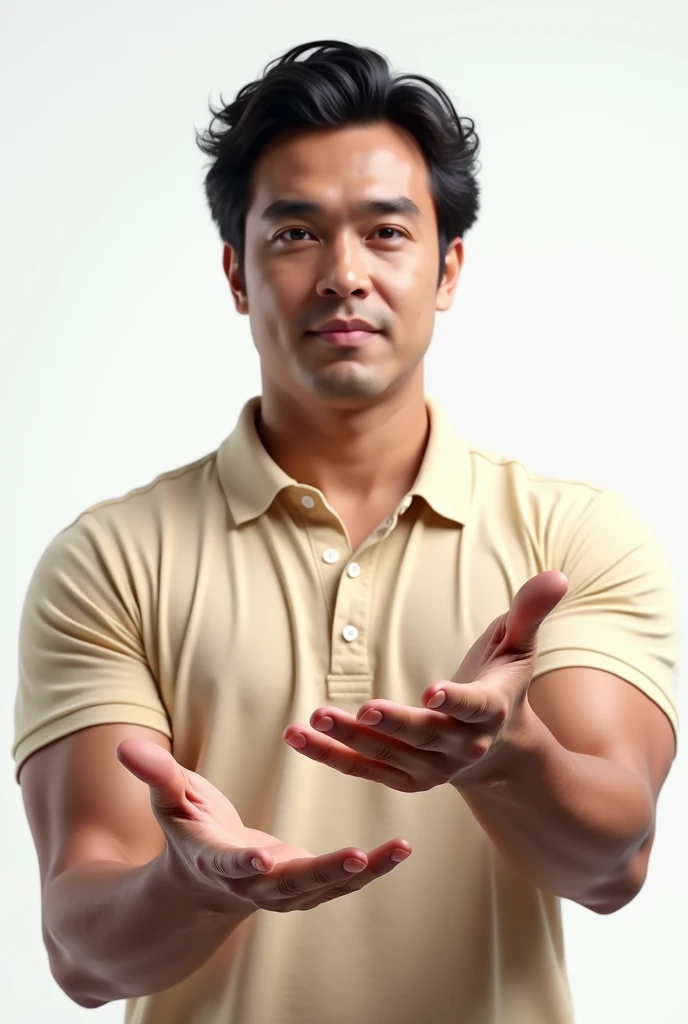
388 239
281 236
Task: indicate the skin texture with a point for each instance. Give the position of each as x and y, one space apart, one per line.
117 841
350 422
564 776
146 871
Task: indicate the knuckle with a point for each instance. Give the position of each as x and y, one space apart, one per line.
481 708
320 878
432 740
335 891
460 699
217 864
377 870
387 754
398 726
286 886
360 769
201 864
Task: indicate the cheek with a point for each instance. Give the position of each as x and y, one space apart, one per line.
412 283
285 289
412 298
277 296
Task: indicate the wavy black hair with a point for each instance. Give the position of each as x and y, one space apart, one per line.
337 85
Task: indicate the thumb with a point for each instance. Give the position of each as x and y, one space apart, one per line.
532 604
155 766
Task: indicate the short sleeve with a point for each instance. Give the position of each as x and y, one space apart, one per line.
620 612
81 657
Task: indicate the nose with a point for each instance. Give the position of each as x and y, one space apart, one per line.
344 271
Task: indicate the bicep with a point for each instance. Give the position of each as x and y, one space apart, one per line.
590 711
83 805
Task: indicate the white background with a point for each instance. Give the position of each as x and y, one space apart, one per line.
122 355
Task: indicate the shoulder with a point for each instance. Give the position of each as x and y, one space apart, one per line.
539 507
115 547
577 526
173 494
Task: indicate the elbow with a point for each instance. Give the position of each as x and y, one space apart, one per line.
79 993
621 890
87 1002
75 985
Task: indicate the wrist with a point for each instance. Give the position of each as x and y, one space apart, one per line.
186 886
172 879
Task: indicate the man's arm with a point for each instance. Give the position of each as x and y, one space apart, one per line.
577 784
147 868
115 921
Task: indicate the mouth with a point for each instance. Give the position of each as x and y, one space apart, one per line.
344 339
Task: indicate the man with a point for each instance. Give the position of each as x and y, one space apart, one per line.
343 552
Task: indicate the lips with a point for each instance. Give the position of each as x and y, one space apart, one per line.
346 332
351 338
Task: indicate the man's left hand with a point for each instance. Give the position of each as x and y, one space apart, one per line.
463 721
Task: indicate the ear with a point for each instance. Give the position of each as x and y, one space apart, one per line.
453 262
230 265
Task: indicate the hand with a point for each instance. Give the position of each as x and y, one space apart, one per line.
213 854
415 749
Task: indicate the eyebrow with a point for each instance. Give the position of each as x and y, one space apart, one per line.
305 207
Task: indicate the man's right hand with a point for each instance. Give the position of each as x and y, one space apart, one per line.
212 853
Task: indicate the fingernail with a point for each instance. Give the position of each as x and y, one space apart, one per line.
399 855
437 700
258 864
371 717
353 866
297 739
324 724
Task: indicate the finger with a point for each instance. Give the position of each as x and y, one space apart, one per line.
242 862
305 876
469 702
319 747
530 607
380 862
155 766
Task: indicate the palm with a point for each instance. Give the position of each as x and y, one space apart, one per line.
207 842
214 820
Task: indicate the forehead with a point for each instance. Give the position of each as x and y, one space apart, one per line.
336 166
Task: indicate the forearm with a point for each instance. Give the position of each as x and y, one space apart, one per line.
572 824
116 932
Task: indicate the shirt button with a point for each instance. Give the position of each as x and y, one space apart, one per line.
387 523
353 570
330 555
349 633
307 501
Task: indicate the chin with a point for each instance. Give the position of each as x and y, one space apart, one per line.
343 386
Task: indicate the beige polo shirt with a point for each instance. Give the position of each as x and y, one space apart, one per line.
222 602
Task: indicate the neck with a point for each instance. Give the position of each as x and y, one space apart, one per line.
358 456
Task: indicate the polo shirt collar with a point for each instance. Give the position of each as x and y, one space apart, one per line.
251 480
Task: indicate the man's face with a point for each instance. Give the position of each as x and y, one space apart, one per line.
340 259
